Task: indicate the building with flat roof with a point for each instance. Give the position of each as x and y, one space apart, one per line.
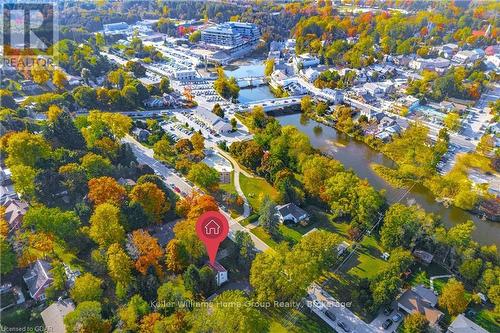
230 34
116 28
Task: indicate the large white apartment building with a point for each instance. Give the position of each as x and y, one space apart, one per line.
230 34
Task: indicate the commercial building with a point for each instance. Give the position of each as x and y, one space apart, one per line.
230 34
185 75
214 122
116 28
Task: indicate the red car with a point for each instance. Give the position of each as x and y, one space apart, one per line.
176 189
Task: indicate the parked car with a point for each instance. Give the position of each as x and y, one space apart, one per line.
397 317
343 326
387 323
330 315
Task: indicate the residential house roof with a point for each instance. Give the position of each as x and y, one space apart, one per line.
38 276
412 302
462 324
53 315
14 212
216 266
291 209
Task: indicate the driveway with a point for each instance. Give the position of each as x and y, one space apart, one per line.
341 312
379 320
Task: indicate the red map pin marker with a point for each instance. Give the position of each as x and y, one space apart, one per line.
212 228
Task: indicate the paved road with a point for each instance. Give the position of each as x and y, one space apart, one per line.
236 179
145 155
342 313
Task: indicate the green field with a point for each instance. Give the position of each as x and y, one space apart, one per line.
255 188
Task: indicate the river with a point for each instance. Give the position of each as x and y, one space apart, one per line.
358 157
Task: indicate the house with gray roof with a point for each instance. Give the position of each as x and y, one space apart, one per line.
38 278
462 324
291 212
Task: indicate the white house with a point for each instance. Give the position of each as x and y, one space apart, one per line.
335 96
304 61
291 212
310 74
220 273
185 74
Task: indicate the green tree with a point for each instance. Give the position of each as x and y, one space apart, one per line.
452 121
415 323
119 265
172 292
96 165
87 318
217 109
268 67
192 280
86 288
8 258
27 149
62 224
237 318
267 216
244 247
105 228
401 226
23 178
131 314
165 85
453 297
204 176
471 269
195 36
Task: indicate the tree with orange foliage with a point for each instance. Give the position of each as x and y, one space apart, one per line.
35 245
201 204
106 190
152 199
148 322
148 252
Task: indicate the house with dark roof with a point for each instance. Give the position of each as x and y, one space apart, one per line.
291 212
53 315
38 278
462 324
14 213
423 300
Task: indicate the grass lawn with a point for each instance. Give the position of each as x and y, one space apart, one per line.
295 321
253 188
21 318
486 319
366 262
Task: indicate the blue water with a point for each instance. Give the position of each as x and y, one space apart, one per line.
248 95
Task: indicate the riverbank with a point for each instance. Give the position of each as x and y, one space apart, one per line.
358 156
